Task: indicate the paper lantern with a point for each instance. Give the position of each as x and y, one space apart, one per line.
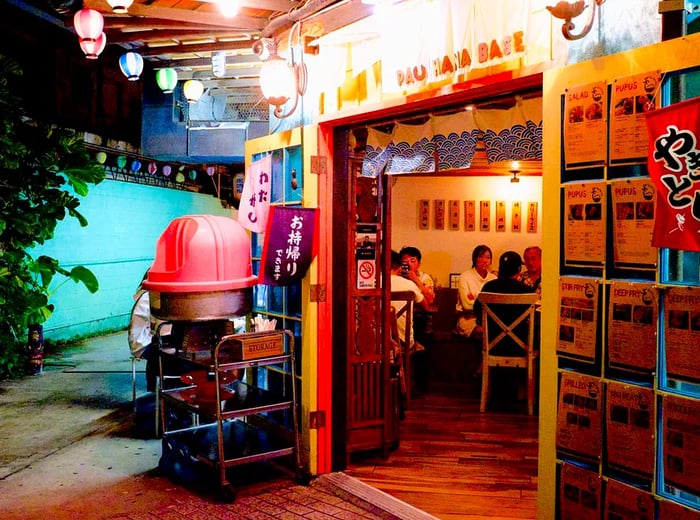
135 165
101 157
131 64
193 90
166 170
88 24
93 48
211 170
121 161
193 175
152 168
179 177
166 79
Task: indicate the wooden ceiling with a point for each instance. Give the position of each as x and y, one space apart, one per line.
183 34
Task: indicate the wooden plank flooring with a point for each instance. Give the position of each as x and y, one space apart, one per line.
456 463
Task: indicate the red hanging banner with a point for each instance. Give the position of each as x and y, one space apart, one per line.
674 166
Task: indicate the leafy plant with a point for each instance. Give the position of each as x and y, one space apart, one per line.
43 172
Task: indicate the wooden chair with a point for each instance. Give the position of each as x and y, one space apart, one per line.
405 308
513 328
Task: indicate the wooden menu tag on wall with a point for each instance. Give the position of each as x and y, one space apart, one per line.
532 217
423 214
469 215
454 215
500 215
485 216
516 218
439 214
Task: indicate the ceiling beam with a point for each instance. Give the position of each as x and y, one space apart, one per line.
169 50
251 59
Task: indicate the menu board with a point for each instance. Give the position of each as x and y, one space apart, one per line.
623 501
580 493
632 317
634 205
681 443
682 333
578 317
674 511
630 427
631 98
585 128
584 227
579 415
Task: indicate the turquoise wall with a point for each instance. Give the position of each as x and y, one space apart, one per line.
118 245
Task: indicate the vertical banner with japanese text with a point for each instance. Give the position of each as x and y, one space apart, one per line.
255 200
289 245
674 166
585 125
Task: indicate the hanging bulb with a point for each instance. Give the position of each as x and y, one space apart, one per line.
228 8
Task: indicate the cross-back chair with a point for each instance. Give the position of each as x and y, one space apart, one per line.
402 307
508 323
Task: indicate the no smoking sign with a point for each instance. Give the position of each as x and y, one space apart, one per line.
365 274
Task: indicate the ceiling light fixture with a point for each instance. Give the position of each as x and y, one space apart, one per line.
88 24
131 64
280 80
193 90
166 79
93 48
515 171
228 8
120 6
568 10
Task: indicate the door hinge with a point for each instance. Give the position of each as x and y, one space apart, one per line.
317 293
317 420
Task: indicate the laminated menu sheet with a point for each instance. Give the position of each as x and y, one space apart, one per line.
682 333
580 416
630 428
580 493
681 443
623 501
578 318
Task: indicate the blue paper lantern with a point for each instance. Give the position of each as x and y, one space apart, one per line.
135 165
131 64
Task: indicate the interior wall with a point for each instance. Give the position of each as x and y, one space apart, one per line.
446 251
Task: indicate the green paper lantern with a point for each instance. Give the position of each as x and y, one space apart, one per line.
179 177
101 157
193 175
166 79
121 161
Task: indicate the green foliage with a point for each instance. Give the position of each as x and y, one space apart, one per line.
43 171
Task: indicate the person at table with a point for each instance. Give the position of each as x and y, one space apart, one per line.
410 263
532 275
400 282
470 283
509 267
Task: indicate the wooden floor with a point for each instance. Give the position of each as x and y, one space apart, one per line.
456 463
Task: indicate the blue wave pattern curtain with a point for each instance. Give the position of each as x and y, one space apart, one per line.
449 142
376 152
455 137
508 135
412 149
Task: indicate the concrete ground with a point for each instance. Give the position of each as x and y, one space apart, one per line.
71 446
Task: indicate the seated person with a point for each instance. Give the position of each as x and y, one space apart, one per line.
401 282
411 256
509 266
470 284
532 276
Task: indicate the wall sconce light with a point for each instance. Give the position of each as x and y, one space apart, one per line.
88 24
193 90
568 10
166 79
93 48
515 171
280 80
120 6
131 64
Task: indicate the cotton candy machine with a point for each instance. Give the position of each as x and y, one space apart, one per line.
201 279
